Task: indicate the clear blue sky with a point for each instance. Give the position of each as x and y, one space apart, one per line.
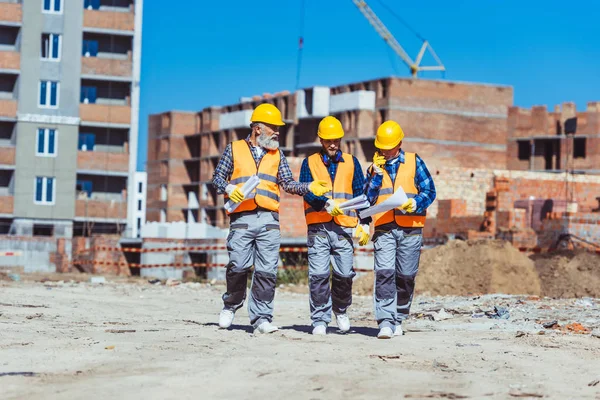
198 53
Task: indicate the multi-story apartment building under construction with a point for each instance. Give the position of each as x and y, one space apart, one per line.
69 105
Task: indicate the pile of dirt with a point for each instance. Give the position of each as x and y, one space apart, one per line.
471 267
569 273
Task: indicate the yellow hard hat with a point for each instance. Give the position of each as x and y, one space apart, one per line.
389 135
267 113
330 128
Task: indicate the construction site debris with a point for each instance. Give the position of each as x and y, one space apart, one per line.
98 280
442 315
576 327
499 313
551 325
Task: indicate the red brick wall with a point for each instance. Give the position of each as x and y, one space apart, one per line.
105 66
10 60
8 108
105 113
108 20
11 12
105 161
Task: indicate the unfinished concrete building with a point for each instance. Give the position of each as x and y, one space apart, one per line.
443 121
539 140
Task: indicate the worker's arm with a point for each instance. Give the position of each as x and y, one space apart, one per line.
425 186
373 184
285 179
223 171
316 202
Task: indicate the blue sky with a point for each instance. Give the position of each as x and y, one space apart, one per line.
198 53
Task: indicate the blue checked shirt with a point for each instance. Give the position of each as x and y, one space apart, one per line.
423 182
318 202
285 179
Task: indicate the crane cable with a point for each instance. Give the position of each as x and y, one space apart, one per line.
300 43
402 21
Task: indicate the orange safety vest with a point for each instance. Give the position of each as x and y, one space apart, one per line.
342 190
405 178
244 166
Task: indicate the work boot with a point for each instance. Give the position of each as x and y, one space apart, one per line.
319 330
398 331
385 333
266 327
343 322
226 318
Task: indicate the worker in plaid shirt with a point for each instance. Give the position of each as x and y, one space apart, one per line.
398 232
330 229
254 234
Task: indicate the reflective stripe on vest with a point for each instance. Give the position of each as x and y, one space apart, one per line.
405 178
342 190
244 166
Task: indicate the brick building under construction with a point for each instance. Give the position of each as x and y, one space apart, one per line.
500 170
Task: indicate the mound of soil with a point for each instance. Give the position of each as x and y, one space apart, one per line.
471 267
569 273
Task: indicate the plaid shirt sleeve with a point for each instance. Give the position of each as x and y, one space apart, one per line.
223 171
316 202
285 179
425 186
372 185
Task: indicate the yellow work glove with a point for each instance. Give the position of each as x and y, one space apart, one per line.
409 206
319 188
362 233
332 208
235 194
378 162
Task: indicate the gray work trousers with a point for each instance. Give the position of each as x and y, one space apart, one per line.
329 244
254 239
397 253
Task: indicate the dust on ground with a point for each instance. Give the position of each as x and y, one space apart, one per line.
131 339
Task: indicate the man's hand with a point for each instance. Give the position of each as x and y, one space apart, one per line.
378 162
409 206
332 208
362 233
319 188
235 194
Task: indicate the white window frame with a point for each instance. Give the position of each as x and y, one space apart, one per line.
46 142
49 94
44 188
52 4
50 47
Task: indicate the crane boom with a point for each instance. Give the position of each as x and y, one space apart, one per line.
383 31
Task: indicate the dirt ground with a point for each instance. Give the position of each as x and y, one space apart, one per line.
130 339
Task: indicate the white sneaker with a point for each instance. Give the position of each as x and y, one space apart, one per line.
385 333
266 327
319 330
343 322
226 319
398 331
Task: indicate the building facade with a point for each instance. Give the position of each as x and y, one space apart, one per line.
69 105
139 215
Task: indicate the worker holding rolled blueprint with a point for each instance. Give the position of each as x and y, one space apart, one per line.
330 229
250 173
398 233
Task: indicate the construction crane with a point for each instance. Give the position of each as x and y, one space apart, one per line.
415 66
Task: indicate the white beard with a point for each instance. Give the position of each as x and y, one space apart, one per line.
267 143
